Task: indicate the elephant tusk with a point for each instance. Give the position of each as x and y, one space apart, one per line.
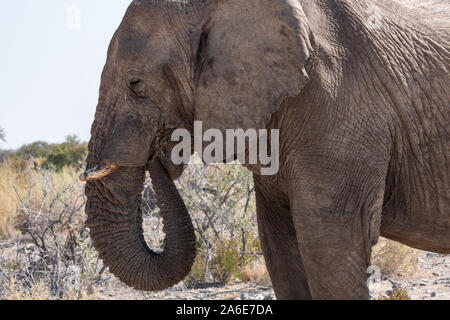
98 172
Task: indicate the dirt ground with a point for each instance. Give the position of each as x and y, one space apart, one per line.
430 282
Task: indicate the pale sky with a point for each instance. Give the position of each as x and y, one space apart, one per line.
52 54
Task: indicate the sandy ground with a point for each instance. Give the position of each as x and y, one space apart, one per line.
430 282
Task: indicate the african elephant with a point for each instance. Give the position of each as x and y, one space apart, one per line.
359 91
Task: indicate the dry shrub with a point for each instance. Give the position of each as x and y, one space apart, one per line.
198 273
25 179
17 291
225 264
53 257
221 202
11 174
226 261
41 291
398 293
230 261
256 272
393 256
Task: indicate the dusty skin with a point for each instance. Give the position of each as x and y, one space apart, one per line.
362 105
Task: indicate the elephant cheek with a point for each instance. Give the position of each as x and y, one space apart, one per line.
129 145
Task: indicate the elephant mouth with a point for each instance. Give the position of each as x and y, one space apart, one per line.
105 168
99 171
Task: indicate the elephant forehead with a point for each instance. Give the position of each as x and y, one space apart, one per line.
151 13
139 42
143 49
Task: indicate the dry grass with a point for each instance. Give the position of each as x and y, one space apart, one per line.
392 256
41 291
10 175
255 272
18 178
17 291
52 256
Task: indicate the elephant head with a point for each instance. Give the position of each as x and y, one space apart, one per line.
228 63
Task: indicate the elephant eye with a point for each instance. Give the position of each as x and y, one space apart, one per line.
137 86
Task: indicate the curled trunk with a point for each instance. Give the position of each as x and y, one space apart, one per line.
115 221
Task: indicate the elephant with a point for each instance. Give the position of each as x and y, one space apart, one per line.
359 91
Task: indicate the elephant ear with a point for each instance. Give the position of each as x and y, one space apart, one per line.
251 55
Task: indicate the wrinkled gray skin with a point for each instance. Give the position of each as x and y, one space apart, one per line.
363 114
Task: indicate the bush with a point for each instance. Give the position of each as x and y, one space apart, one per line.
226 261
71 153
222 262
13 174
398 293
255 272
199 271
220 199
24 178
234 259
393 256
54 257
35 150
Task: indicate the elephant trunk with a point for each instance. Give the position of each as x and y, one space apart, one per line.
115 220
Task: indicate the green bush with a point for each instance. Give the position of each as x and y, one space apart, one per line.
70 153
199 271
226 261
67 154
35 150
197 275
253 245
